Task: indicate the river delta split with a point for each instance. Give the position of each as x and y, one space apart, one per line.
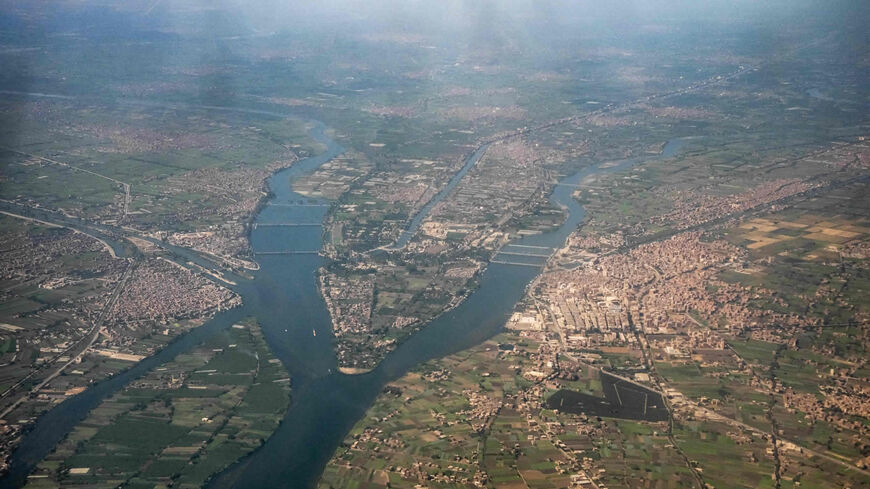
383 244
284 298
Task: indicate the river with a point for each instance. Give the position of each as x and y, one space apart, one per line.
284 297
415 222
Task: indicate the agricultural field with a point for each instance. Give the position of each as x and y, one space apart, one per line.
181 423
51 301
479 417
186 173
813 254
426 423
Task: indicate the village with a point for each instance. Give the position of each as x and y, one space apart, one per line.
84 314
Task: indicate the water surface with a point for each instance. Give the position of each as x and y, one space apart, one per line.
284 298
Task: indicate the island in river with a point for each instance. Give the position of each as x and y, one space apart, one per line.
673 199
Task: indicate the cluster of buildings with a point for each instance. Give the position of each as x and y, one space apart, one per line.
349 301
655 286
97 314
411 184
161 291
501 185
482 408
131 140
73 277
668 287
691 208
375 439
232 197
477 113
335 177
844 403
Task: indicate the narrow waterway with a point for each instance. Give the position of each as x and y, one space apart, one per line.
326 407
415 222
284 297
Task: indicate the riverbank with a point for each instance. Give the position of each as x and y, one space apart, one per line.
285 299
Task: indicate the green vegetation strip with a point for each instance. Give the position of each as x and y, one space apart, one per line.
181 423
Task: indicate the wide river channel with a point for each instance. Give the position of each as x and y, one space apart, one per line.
284 298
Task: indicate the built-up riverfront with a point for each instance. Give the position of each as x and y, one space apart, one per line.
283 296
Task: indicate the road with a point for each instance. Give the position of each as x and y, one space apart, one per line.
796 446
109 249
214 272
124 185
82 346
485 143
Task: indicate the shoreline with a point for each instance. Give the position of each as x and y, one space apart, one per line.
354 370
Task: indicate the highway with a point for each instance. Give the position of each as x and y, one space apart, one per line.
80 347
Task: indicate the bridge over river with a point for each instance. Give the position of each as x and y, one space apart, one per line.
284 297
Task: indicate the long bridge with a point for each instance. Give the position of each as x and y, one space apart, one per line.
511 245
516 253
519 264
505 257
278 204
286 224
289 252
